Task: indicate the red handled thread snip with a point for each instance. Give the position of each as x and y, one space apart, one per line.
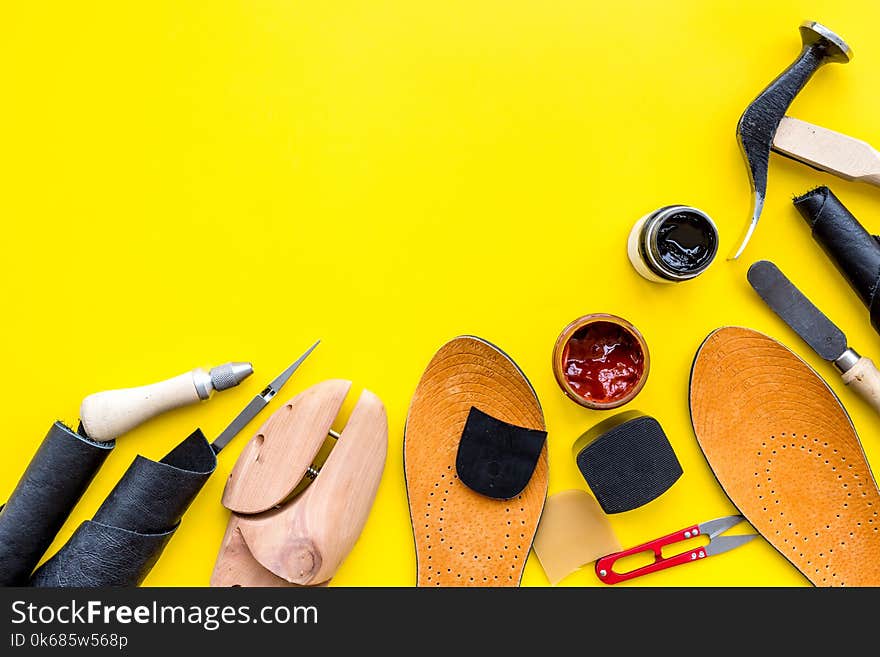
717 545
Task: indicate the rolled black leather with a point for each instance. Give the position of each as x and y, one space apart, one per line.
122 543
50 487
102 555
854 251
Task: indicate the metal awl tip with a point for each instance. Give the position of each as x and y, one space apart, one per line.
258 403
758 206
282 378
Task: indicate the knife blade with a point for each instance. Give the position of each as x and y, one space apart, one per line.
258 403
814 328
796 310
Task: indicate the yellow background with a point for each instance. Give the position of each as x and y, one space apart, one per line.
187 183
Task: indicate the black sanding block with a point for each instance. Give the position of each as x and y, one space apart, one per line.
497 459
627 461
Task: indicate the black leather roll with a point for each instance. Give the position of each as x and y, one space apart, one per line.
50 487
102 555
854 251
122 543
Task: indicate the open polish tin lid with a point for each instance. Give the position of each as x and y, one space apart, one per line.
674 243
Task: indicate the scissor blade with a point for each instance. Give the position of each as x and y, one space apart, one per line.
722 544
258 403
712 528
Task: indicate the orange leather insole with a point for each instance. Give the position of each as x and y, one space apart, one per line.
786 453
463 538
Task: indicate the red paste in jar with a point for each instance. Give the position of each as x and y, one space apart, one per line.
602 362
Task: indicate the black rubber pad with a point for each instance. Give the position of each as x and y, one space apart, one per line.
628 462
497 459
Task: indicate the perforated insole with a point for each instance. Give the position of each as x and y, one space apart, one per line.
785 452
463 538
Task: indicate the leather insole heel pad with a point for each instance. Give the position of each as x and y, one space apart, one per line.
55 479
787 455
627 461
120 545
464 538
497 459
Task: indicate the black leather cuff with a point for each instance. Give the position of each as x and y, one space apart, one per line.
854 251
120 545
55 479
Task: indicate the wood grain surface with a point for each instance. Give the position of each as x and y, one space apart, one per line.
463 538
864 378
304 540
785 452
275 460
842 155
307 539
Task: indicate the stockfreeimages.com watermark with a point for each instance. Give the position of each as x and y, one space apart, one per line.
209 617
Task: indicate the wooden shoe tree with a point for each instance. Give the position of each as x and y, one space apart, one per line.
785 452
273 540
463 538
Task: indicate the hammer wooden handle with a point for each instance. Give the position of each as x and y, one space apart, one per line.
864 378
106 415
844 156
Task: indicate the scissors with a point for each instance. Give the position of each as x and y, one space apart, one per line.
711 528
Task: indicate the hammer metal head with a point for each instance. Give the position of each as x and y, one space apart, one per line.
758 124
837 49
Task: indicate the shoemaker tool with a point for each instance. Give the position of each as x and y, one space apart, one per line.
278 536
109 414
66 461
826 150
126 536
712 529
758 124
814 328
258 403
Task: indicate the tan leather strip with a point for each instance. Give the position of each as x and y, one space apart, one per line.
787 455
463 538
573 532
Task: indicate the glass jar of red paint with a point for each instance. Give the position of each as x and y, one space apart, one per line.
601 361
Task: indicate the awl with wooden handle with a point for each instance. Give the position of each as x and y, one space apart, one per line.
106 415
814 328
827 150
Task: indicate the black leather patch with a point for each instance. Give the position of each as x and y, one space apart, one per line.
497 459
629 464
58 474
128 533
